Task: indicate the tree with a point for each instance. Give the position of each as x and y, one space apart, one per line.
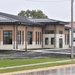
32 14
22 13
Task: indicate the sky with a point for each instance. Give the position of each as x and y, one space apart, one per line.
54 9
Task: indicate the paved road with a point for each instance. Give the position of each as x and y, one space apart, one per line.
60 51
13 54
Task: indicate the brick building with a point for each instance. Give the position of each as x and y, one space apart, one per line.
23 33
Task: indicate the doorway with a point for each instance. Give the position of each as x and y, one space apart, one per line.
60 42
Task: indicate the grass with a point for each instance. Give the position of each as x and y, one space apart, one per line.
16 62
34 67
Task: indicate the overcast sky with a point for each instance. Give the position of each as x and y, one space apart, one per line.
54 9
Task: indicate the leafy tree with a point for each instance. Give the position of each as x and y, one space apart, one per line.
32 14
22 13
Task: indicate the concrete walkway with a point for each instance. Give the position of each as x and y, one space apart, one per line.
11 67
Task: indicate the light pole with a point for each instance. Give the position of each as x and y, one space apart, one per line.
72 28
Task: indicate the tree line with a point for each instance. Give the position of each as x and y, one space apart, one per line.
32 14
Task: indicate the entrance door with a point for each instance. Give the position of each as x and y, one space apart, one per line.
60 42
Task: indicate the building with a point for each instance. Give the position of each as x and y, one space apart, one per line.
69 26
22 33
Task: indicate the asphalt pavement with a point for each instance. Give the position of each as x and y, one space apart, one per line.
41 53
60 51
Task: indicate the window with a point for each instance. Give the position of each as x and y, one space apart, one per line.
73 31
38 37
7 37
22 37
60 32
29 37
66 39
73 39
19 37
46 41
49 31
52 41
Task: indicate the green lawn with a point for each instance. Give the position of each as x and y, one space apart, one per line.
16 62
35 67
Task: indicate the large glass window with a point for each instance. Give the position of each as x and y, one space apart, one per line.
22 37
46 41
38 37
29 37
19 37
52 41
66 39
7 37
73 31
73 39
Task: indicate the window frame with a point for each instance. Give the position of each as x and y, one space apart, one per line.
52 41
46 41
7 34
19 36
22 37
29 36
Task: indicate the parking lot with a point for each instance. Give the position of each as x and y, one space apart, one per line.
41 53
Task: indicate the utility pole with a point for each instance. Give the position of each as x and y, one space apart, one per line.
72 28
